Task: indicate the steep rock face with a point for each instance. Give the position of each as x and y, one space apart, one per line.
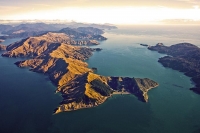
2 47
63 63
184 57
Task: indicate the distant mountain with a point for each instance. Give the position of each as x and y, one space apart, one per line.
99 26
25 30
35 29
84 33
74 33
90 30
5 27
181 21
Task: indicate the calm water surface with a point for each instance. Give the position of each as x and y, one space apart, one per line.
172 107
9 41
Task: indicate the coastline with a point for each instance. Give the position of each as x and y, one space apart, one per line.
167 99
65 65
182 57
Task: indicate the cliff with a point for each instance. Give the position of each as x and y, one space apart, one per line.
184 57
63 63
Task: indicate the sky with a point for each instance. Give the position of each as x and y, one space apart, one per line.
101 11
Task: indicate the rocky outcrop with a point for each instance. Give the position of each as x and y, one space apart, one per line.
184 57
2 47
63 63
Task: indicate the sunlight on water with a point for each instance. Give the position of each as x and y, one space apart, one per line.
172 107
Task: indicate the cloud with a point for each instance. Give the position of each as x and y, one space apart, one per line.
191 1
46 5
8 8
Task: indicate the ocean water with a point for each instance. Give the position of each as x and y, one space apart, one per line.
172 107
9 41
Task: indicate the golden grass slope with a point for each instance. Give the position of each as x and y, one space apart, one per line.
63 63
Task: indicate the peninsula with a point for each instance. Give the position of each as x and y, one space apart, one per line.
54 54
184 57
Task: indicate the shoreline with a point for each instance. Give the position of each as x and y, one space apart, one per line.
66 67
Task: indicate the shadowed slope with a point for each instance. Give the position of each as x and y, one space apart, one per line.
184 57
63 63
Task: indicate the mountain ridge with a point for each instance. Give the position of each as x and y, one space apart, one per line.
184 57
64 64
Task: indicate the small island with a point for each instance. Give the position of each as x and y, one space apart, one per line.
53 54
94 68
2 47
1 40
146 45
184 57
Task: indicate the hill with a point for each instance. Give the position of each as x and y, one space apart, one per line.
51 54
184 57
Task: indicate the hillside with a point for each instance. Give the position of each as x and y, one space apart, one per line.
184 57
25 30
34 46
63 63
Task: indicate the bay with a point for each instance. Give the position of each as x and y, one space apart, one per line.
9 41
172 107
27 99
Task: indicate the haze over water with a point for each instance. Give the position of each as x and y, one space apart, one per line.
172 107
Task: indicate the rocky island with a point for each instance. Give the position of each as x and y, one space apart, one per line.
1 40
145 45
54 55
184 57
2 47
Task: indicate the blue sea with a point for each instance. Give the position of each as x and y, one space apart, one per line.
27 99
